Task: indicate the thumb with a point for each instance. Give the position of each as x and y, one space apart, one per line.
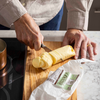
65 41
42 38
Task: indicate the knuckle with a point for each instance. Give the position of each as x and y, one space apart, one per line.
79 36
83 48
86 39
36 37
78 46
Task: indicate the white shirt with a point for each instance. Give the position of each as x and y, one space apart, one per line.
43 11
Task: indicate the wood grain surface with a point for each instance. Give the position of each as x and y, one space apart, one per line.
34 77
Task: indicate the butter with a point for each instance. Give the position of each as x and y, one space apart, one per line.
62 53
46 57
38 62
46 60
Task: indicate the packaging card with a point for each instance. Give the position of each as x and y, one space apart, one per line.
61 84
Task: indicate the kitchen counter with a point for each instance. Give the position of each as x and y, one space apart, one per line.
89 87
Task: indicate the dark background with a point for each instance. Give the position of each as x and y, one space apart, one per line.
94 18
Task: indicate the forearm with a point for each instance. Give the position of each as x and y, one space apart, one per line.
78 13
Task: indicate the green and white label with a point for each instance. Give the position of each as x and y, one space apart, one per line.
66 80
63 79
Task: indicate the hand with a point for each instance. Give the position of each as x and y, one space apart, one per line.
28 32
81 42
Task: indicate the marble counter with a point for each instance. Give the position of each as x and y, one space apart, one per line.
89 87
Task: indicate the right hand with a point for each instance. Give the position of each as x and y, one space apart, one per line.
81 42
28 32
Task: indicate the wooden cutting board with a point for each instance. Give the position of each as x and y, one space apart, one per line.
34 77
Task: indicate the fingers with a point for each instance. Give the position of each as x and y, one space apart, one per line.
84 48
81 43
34 42
90 51
37 45
94 45
77 46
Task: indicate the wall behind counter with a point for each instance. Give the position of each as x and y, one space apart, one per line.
94 17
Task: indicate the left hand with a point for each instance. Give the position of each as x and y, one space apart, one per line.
81 42
28 32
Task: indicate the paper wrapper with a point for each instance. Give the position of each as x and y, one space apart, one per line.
61 84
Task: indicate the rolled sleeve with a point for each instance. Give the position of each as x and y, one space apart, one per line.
12 10
78 13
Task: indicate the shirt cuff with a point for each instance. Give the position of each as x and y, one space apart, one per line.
78 20
12 11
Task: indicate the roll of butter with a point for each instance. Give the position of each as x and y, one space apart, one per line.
47 59
62 53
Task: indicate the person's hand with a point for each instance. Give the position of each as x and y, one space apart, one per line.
28 32
81 42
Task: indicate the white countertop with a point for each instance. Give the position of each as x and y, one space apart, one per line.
48 35
89 87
